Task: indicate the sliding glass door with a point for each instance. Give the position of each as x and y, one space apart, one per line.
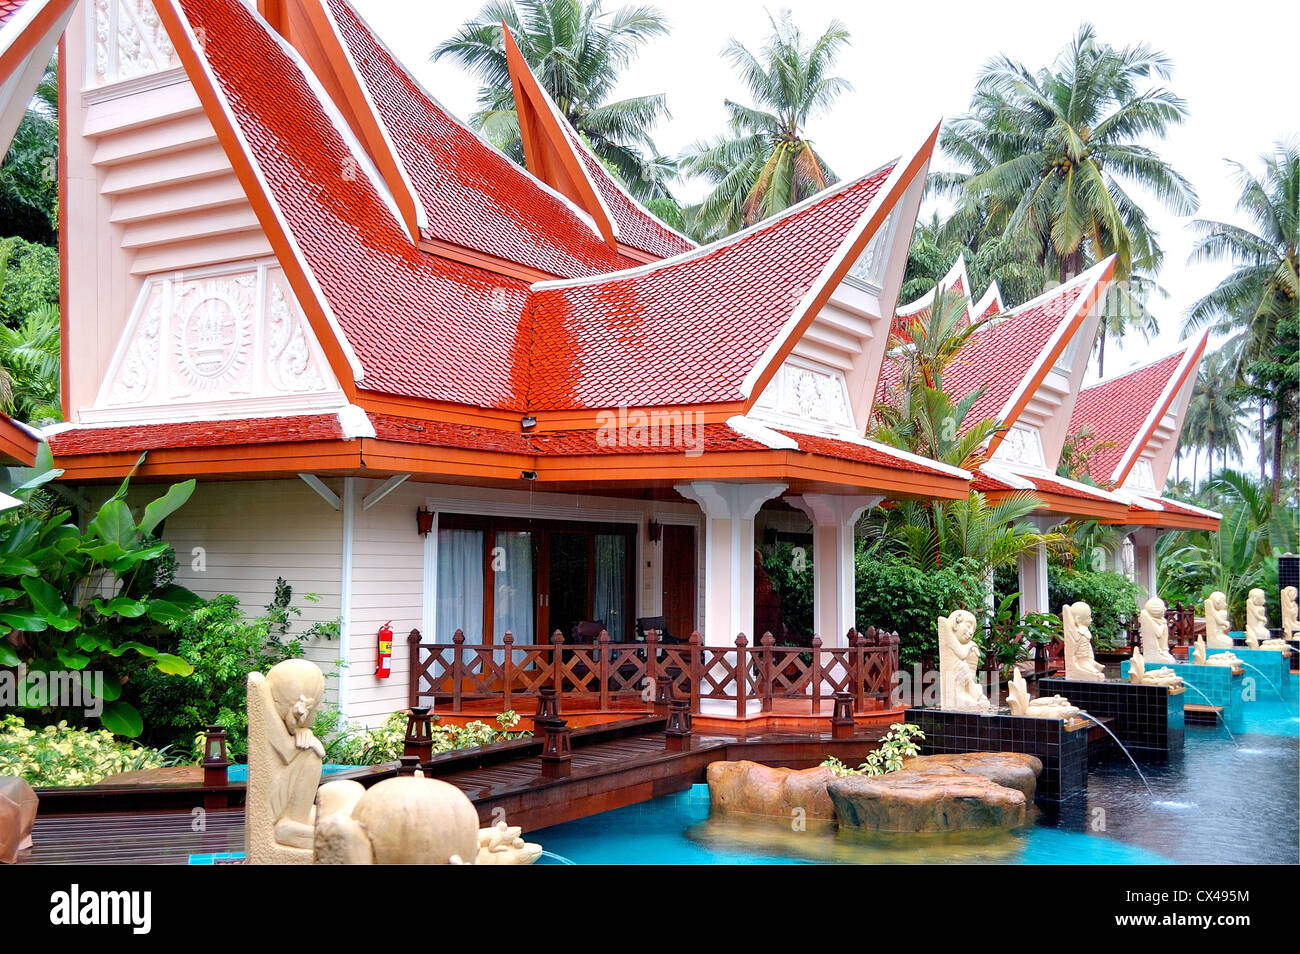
533 577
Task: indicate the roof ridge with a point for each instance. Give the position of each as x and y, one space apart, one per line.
1179 350
735 238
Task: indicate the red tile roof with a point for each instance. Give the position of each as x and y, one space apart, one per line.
474 196
1115 410
638 339
1000 356
8 8
134 438
861 453
420 325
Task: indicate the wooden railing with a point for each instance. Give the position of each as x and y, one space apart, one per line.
1182 626
608 674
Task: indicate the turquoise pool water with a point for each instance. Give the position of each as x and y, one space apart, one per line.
239 773
1228 800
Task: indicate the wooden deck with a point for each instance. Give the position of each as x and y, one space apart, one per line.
613 765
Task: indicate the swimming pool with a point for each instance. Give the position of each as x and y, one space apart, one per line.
1226 801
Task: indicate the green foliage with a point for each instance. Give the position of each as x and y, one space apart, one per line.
793 579
29 279
347 744
896 595
1112 596
61 755
1240 555
764 163
897 744
29 188
223 647
87 600
577 50
1010 638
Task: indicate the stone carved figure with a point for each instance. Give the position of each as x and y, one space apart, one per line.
1138 674
1290 613
284 762
1080 664
1203 658
1257 633
408 820
1216 622
1047 707
504 845
1155 631
959 659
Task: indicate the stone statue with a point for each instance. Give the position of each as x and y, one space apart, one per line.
1257 633
1138 674
410 821
1290 613
18 805
1080 664
284 763
1155 631
504 845
1203 658
1048 707
959 659
1216 622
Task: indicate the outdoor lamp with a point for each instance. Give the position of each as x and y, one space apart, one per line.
424 521
215 761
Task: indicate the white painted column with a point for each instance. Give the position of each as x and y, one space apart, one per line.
834 519
1033 572
729 511
1144 552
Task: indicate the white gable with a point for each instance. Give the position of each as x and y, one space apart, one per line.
220 342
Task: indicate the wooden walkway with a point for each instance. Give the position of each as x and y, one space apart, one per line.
612 765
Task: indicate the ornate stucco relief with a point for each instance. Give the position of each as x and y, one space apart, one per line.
220 339
805 395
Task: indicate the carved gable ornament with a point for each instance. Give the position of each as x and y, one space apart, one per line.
217 341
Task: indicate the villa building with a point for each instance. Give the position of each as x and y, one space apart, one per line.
444 392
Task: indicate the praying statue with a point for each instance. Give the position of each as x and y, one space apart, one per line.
1257 632
1216 622
1155 632
284 762
959 659
1080 664
1140 675
1290 614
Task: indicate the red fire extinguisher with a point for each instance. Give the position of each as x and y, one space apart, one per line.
384 655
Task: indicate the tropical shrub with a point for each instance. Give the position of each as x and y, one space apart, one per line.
60 754
894 595
346 744
223 647
897 744
90 601
1112 596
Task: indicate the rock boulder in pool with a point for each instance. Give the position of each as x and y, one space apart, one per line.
751 788
1012 769
952 794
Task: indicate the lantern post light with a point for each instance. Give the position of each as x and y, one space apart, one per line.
215 762
424 521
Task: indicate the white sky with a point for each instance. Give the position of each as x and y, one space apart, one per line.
912 64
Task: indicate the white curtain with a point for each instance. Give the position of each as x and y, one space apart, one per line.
512 604
460 585
611 585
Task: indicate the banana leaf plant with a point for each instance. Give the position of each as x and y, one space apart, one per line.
87 600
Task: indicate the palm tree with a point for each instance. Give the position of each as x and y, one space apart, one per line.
1213 419
1256 302
764 163
577 51
1048 158
28 186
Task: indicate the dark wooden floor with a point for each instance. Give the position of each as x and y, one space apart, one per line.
610 768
